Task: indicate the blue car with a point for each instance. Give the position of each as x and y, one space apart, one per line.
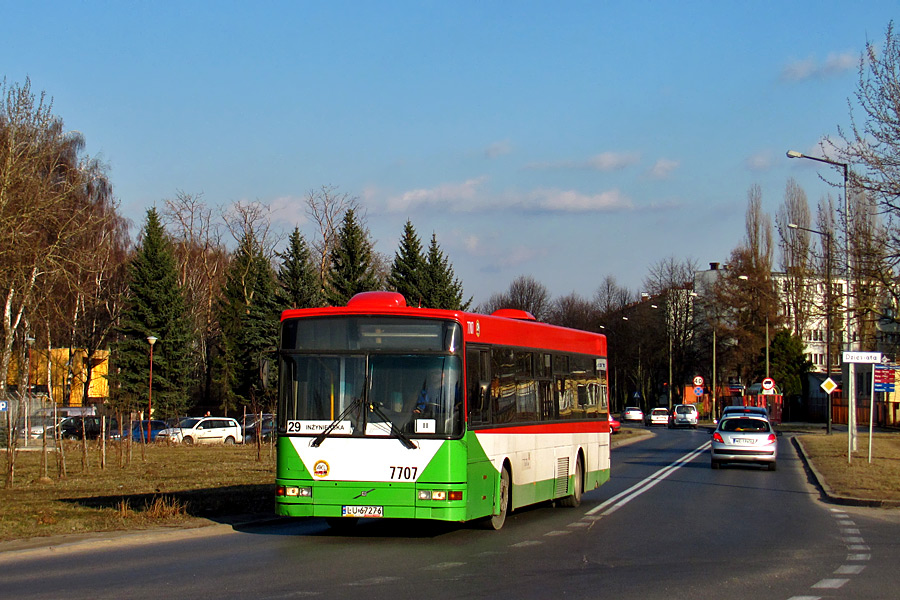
139 430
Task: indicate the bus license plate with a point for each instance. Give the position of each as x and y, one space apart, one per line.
362 511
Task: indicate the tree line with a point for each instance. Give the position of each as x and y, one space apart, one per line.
71 276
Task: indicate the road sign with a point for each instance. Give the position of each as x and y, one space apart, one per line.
4 406
698 391
828 385
768 384
866 358
698 381
884 379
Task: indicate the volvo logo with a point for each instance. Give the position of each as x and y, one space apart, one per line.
364 494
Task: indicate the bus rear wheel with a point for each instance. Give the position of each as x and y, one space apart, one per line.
578 488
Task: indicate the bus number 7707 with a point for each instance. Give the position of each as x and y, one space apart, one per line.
404 473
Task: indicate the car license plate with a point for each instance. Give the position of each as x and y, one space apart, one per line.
744 441
362 511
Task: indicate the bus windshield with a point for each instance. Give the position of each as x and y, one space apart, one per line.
375 394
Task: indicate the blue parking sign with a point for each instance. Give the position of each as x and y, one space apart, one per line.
4 405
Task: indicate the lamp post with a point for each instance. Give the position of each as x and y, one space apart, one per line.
151 340
30 342
849 387
828 286
844 168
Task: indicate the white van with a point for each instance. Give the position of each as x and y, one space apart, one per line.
684 415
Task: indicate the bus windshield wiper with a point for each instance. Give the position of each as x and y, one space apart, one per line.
333 425
376 408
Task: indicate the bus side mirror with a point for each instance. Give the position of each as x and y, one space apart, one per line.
264 359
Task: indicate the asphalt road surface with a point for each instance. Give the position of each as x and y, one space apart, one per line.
666 526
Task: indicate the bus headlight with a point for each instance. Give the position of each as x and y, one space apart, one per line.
439 495
293 491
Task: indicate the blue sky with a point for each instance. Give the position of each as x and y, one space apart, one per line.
563 140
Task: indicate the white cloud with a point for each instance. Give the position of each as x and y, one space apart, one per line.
761 161
663 168
605 161
290 209
809 68
468 197
571 201
498 149
453 196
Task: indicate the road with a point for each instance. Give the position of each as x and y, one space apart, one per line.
665 526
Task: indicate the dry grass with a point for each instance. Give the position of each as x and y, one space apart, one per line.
172 485
857 478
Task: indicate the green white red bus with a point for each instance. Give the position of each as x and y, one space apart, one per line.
391 411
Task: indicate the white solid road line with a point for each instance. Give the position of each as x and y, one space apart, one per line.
623 498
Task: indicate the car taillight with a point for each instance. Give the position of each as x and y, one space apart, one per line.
771 438
718 438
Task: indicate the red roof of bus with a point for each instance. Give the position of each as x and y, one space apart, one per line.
506 326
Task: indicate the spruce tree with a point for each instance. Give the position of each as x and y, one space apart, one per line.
408 269
249 319
298 281
443 289
352 268
155 307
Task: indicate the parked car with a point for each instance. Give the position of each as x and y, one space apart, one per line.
86 427
203 430
684 415
744 438
614 424
39 425
632 413
266 428
139 430
657 416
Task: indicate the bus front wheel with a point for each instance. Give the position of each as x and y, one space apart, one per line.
495 522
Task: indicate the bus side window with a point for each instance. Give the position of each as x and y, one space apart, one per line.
478 386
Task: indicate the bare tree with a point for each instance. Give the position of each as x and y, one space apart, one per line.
573 311
611 297
202 259
524 293
872 141
326 207
795 255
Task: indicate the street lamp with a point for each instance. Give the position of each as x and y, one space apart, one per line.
30 342
827 236
844 168
151 340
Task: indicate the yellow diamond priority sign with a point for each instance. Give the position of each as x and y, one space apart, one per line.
828 385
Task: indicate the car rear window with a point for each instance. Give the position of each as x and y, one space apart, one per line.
743 424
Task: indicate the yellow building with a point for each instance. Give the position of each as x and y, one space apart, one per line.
98 391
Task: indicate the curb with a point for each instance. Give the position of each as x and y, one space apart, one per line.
828 493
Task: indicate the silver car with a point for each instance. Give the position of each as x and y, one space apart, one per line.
744 438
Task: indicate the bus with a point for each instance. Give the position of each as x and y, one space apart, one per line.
392 411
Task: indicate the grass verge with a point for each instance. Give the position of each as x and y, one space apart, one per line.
857 478
169 485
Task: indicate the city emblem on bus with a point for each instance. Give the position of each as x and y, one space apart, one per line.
474 327
320 469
